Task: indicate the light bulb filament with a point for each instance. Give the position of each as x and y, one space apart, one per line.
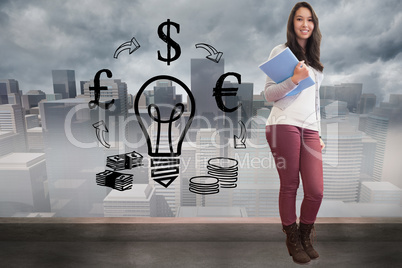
176 113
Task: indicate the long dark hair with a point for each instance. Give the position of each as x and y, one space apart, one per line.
311 55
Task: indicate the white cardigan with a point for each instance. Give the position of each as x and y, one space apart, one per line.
301 110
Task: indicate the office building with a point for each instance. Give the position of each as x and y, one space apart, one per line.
74 157
82 87
346 92
9 142
259 102
367 103
12 119
35 140
384 125
52 97
64 83
10 92
342 160
160 143
32 98
204 75
333 109
32 120
380 192
140 201
368 160
23 184
187 171
244 98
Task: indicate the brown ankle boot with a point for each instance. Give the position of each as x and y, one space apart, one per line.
305 236
293 243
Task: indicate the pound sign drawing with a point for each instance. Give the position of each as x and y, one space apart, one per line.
92 104
170 43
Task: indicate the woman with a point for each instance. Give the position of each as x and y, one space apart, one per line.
293 132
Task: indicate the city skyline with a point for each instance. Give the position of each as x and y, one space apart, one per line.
41 35
344 131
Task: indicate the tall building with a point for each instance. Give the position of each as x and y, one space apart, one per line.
204 75
9 142
260 102
346 92
74 156
82 88
367 103
187 170
244 96
384 125
35 140
159 137
64 83
342 160
10 92
333 109
23 184
12 119
32 98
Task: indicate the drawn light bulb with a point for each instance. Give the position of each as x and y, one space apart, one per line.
164 140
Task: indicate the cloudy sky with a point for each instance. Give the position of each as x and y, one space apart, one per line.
362 40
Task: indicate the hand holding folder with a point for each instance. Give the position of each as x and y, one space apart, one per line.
281 67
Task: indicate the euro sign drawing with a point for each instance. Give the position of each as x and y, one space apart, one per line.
170 43
220 92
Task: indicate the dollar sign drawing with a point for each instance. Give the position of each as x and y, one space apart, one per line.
170 43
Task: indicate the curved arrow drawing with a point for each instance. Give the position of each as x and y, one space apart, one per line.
214 55
101 127
240 142
132 45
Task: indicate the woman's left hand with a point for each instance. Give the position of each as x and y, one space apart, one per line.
322 144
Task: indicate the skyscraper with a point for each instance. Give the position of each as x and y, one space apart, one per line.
64 83
342 159
367 103
9 92
384 125
244 98
204 75
73 157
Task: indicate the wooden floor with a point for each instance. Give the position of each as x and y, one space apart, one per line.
192 242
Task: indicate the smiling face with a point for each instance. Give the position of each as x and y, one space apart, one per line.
303 25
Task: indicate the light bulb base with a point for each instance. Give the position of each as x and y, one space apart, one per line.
164 170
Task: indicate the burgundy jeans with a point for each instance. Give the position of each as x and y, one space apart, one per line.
297 150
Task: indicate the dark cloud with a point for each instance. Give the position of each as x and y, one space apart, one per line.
361 39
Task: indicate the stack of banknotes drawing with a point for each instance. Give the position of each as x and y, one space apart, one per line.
117 180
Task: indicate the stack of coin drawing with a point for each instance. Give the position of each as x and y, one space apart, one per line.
204 185
225 170
115 180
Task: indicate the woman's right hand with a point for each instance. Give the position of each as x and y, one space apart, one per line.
300 73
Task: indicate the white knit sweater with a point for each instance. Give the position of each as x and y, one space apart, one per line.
301 110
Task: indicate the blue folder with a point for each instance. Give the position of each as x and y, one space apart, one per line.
281 67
